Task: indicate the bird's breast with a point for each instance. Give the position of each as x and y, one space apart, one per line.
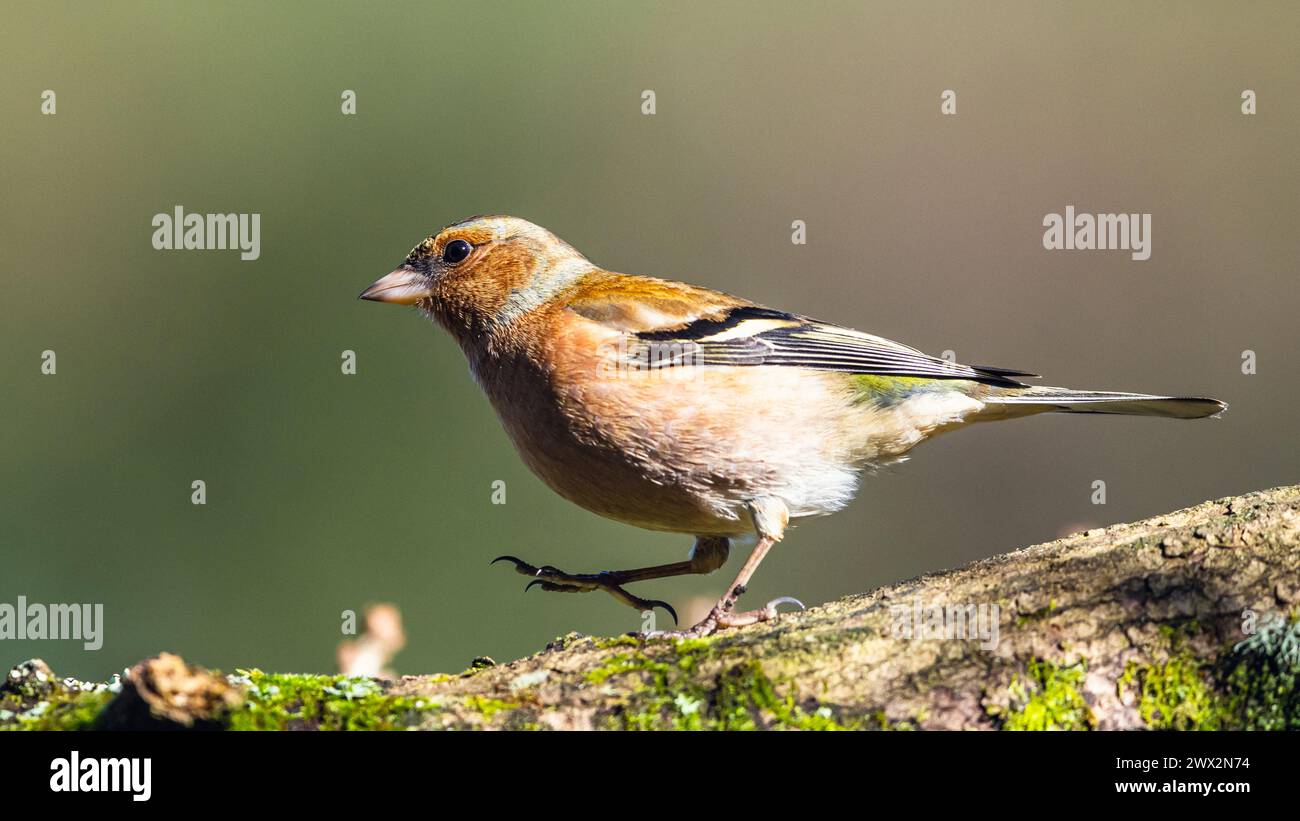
676 448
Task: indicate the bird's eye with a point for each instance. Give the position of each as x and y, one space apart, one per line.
456 251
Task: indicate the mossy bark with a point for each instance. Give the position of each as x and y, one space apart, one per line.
1186 621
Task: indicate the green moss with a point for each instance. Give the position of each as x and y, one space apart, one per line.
747 699
1047 698
289 701
1174 695
33 698
625 640
670 693
1252 687
60 710
488 707
627 663
1260 677
1177 694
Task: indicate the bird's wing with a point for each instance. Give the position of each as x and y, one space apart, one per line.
635 304
673 324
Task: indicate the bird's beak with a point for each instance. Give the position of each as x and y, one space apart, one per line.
404 286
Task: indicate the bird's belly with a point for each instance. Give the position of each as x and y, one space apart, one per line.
685 449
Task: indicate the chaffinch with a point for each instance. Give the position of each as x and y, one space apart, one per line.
677 408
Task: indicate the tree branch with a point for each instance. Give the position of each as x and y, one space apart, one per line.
1186 620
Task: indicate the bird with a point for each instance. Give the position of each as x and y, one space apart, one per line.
677 408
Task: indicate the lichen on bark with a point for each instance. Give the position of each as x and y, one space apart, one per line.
1184 621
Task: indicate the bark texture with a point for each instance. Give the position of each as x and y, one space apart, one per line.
1185 621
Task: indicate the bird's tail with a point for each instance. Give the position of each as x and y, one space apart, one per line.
1001 402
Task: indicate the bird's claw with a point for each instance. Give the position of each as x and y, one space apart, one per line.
521 566
722 617
554 580
771 606
653 603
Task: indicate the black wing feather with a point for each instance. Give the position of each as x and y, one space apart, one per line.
753 335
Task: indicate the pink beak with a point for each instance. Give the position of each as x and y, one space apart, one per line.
404 286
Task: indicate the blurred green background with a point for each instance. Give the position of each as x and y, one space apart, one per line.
327 492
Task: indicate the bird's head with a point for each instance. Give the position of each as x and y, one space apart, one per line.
482 273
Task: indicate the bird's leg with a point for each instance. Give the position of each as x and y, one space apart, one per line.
709 553
770 518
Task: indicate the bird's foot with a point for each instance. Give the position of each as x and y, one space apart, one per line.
722 616
557 581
